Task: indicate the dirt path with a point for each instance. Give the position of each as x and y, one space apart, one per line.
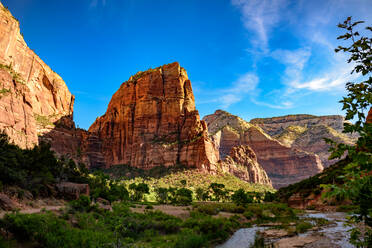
33 210
182 212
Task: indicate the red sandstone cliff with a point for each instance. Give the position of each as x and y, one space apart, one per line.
307 132
283 164
151 120
242 163
33 98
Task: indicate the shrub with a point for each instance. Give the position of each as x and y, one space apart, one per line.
183 197
248 214
139 190
199 192
240 197
303 227
161 195
83 204
52 232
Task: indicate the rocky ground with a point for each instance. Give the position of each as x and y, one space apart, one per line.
334 234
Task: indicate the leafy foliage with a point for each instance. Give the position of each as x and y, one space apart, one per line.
358 186
37 168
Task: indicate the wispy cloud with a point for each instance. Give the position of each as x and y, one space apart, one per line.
245 85
260 16
312 66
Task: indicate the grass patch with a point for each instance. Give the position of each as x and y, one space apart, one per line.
16 76
42 120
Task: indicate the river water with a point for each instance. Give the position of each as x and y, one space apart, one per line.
336 232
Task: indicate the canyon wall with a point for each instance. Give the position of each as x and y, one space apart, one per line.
276 125
283 164
151 120
307 132
34 100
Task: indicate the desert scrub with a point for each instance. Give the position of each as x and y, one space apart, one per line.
213 208
120 226
16 76
303 226
4 92
43 120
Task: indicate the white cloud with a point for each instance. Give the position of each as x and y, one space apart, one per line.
260 16
229 99
294 60
246 84
333 80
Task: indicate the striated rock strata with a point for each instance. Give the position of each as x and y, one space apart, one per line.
151 120
276 125
34 100
242 163
283 164
307 132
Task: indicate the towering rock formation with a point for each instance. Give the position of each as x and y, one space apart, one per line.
242 163
34 100
283 164
307 132
151 120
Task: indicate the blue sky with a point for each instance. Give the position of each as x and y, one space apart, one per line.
253 58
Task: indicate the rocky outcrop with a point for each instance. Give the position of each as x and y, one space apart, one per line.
307 132
276 125
33 98
72 191
242 163
151 120
7 204
283 164
312 140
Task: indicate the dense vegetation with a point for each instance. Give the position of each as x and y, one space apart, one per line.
36 169
86 225
331 175
358 186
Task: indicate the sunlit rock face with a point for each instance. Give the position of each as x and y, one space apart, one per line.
283 164
151 120
307 132
242 163
34 100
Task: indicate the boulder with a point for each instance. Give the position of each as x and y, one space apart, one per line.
7 204
72 191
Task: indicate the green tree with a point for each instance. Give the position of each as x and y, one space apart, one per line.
218 190
161 195
139 190
358 178
240 197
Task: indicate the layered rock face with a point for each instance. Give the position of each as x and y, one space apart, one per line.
283 164
242 163
34 100
151 120
307 132
276 125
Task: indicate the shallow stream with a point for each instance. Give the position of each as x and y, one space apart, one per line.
336 232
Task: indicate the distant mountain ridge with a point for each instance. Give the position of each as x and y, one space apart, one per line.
307 132
283 164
